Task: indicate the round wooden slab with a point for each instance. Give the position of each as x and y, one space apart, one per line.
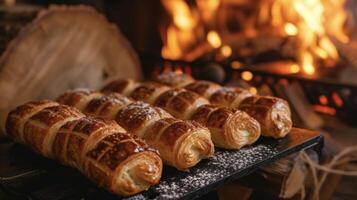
63 48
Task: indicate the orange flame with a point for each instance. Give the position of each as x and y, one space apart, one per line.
311 22
179 33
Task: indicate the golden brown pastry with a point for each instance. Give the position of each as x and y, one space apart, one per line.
99 148
124 87
229 97
107 106
76 137
203 88
272 113
80 99
40 130
148 91
19 116
173 79
122 164
184 142
107 155
177 149
180 103
138 117
230 128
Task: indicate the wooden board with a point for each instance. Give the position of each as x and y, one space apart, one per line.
64 47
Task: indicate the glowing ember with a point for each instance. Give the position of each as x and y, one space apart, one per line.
226 51
236 64
247 76
323 100
324 109
337 99
214 39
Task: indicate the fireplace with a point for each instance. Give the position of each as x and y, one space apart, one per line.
250 32
262 44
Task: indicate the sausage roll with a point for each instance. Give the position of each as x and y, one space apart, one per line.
107 106
229 97
148 91
187 105
80 99
100 149
272 113
173 79
184 142
230 128
124 87
180 103
40 130
75 138
19 116
138 118
203 88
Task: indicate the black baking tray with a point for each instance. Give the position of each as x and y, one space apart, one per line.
26 175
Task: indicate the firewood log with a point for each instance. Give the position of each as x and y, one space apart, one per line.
48 51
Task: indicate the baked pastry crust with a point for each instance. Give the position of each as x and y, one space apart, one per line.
186 143
204 88
229 97
139 118
100 149
272 113
173 79
80 99
18 117
230 128
180 103
124 87
148 91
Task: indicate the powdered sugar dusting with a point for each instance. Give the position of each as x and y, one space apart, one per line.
225 163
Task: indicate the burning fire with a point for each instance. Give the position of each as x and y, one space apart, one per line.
197 28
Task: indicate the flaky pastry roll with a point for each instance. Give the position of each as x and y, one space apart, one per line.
180 103
272 113
230 128
80 99
124 87
204 88
100 149
138 118
229 97
148 91
18 117
175 80
185 143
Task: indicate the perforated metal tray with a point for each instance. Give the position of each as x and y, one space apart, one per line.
25 175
